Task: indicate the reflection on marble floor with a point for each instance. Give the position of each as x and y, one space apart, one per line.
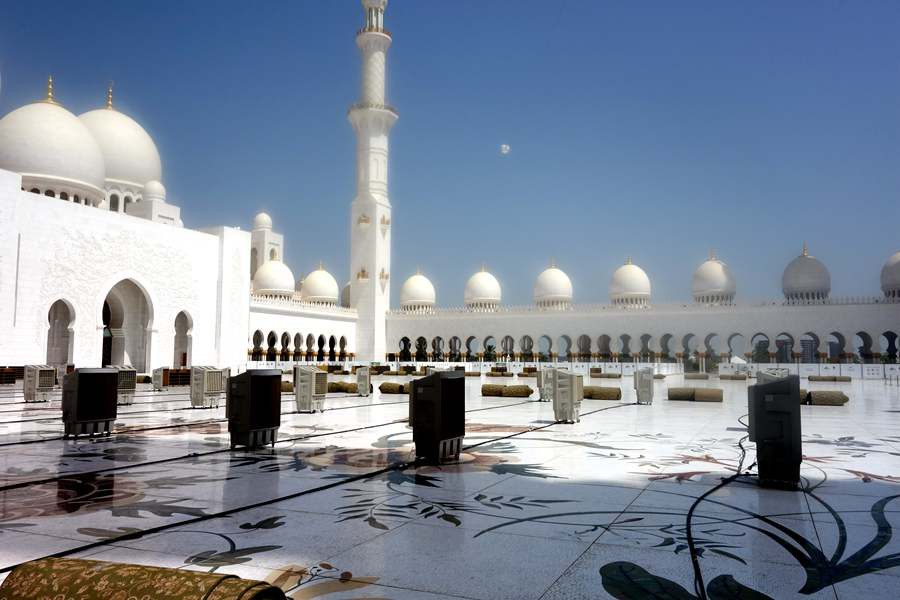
535 510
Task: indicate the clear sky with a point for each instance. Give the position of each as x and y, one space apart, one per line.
647 129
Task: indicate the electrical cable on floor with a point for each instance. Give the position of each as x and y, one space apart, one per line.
699 587
360 477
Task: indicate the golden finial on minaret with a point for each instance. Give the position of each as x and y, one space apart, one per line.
109 95
805 251
50 89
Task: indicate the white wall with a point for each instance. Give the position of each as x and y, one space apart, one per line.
292 317
52 249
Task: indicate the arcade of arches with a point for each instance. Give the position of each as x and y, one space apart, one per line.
296 347
697 352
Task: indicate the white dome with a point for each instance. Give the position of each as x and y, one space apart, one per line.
417 292
482 289
52 150
262 221
805 278
320 287
713 282
274 278
890 277
154 190
129 152
552 288
629 285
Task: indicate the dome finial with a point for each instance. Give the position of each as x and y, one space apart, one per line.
418 270
805 251
553 263
627 260
50 89
109 88
712 254
483 268
321 266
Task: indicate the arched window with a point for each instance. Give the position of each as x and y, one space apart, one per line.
114 203
273 254
63 196
35 191
50 193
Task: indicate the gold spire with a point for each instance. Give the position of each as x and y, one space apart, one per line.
805 251
553 263
109 103
50 89
627 260
712 254
483 268
321 266
418 270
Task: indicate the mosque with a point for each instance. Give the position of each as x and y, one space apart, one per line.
127 283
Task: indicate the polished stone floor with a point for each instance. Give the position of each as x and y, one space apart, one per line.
533 509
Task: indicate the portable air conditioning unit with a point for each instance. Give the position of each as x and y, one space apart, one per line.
363 381
126 385
310 388
568 392
38 382
207 386
545 384
160 379
643 385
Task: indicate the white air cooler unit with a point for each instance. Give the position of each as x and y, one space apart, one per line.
38 382
310 388
207 386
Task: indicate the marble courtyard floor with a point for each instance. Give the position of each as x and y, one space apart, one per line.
533 509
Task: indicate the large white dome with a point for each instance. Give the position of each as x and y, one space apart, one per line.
629 285
52 150
890 277
262 221
482 290
274 278
713 282
553 288
320 287
805 279
129 152
417 293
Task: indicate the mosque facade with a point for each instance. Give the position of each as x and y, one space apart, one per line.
96 267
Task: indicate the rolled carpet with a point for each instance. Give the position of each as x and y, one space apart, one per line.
607 376
821 377
492 389
393 388
843 378
344 387
472 374
96 580
827 398
659 376
681 393
517 391
696 375
287 386
528 374
707 394
596 392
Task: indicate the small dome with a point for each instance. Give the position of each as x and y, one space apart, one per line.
345 295
417 293
805 279
713 282
629 285
154 190
262 221
320 287
553 288
274 278
890 277
129 152
52 150
482 290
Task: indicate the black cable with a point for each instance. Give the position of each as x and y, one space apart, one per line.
699 587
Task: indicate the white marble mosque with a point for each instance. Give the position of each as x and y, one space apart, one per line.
534 508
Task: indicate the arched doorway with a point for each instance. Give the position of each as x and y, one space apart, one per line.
183 327
342 347
405 345
61 335
421 349
285 354
127 318
271 352
257 353
332 344
320 354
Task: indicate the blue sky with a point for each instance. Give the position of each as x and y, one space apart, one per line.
647 129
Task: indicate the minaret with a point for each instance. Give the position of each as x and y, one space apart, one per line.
370 215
